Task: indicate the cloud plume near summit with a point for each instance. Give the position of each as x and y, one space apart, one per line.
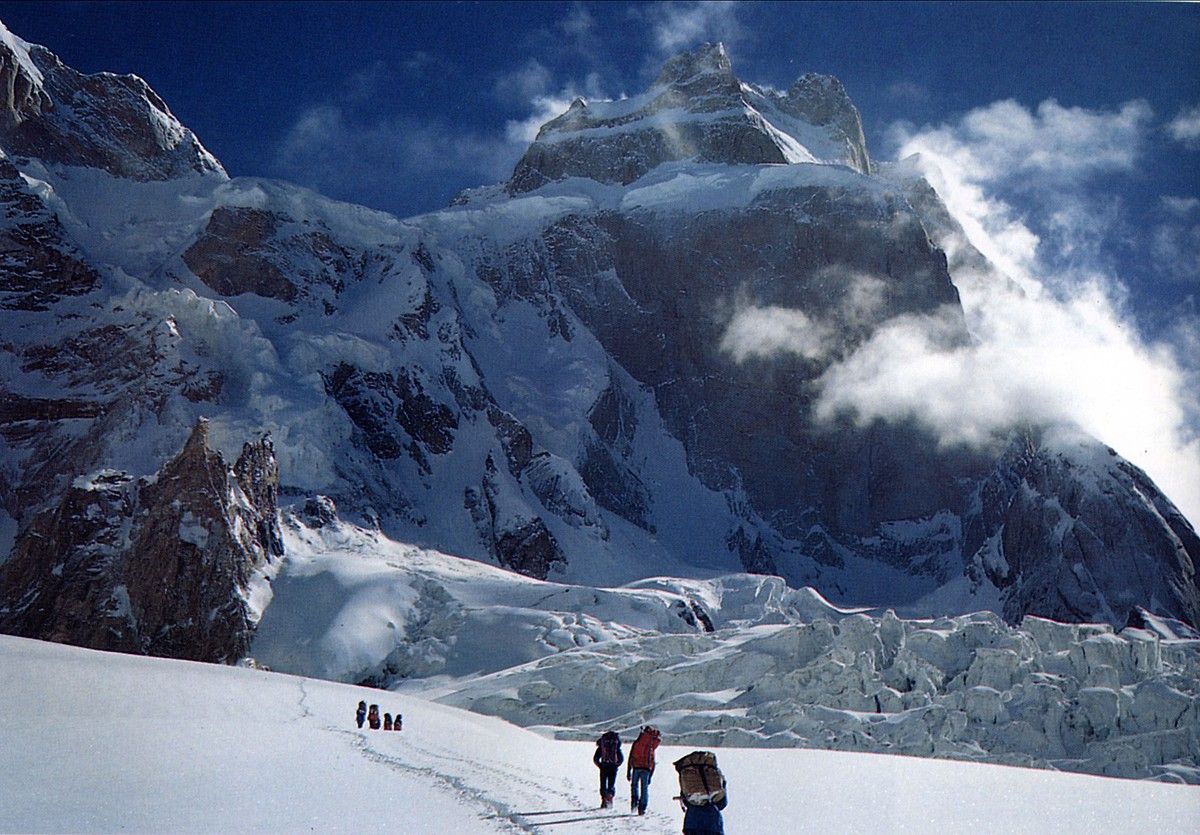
1050 346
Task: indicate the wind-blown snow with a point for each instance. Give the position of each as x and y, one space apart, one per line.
99 742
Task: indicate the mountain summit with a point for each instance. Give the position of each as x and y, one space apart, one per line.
697 110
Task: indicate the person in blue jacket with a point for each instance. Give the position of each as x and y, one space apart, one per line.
608 759
706 819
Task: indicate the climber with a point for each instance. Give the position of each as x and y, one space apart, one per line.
361 714
608 759
703 793
373 717
641 768
387 721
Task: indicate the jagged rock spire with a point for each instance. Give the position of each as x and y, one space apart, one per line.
697 109
157 566
706 58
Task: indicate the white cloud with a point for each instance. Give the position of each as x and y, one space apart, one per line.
1175 243
545 108
524 83
1067 356
679 26
1050 153
909 91
767 331
578 22
545 105
1036 359
757 331
1180 206
1058 142
1175 248
1185 127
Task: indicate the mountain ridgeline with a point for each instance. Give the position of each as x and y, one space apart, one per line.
536 376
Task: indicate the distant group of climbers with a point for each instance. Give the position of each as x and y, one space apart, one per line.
701 784
371 717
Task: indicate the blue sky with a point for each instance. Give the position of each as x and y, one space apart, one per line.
1068 135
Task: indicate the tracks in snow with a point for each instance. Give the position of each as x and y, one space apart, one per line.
500 790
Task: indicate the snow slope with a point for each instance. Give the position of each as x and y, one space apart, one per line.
98 742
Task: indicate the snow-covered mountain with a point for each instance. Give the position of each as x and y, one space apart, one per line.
112 122
539 376
542 379
697 110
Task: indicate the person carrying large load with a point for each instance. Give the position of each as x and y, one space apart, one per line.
702 793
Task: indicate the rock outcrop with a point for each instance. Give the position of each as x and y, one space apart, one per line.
270 254
38 264
161 566
516 537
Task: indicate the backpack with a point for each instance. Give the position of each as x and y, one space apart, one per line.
641 753
610 748
700 781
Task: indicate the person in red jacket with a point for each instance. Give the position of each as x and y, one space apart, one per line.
641 768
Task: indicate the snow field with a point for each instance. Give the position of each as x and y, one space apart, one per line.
95 742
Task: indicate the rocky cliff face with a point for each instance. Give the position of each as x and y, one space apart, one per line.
38 264
682 277
1069 530
538 376
162 566
114 122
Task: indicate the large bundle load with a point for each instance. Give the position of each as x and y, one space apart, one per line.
700 781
